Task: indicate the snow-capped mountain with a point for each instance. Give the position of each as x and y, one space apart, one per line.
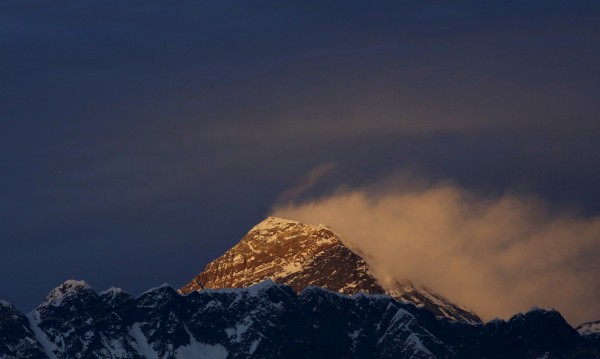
591 332
300 255
332 306
268 320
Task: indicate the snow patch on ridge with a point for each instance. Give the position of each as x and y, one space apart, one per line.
164 285
195 349
114 347
111 290
255 289
413 341
144 348
291 267
587 329
199 350
48 346
273 222
238 331
64 291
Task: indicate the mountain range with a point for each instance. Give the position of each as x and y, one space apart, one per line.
286 290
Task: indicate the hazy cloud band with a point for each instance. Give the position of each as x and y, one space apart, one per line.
497 256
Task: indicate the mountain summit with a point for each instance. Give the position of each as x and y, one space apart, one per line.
301 255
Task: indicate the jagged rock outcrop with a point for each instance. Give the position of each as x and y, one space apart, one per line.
301 255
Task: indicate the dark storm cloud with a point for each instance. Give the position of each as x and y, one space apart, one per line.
140 139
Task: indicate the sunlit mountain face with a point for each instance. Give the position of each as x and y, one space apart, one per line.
301 255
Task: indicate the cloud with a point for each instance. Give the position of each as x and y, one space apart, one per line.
307 182
497 256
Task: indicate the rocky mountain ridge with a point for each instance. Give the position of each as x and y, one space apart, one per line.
300 255
268 320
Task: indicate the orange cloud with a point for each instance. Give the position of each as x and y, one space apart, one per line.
498 256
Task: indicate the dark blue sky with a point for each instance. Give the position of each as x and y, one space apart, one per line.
141 139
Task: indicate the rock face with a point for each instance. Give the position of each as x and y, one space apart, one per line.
301 255
17 339
268 320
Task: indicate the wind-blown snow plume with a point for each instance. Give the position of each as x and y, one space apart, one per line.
497 255
307 182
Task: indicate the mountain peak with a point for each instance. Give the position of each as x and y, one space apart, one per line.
302 255
67 289
272 222
75 284
5 304
114 296
275 228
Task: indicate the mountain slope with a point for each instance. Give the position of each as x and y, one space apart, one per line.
301 255
268 320
591 332
17 338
